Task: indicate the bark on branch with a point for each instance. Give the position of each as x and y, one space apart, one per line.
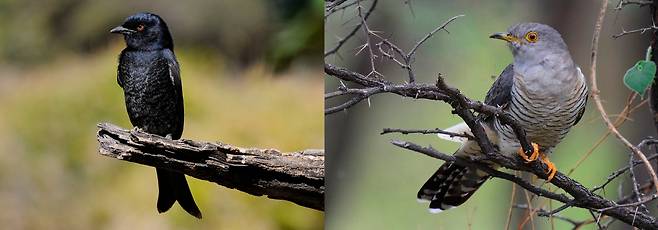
297 177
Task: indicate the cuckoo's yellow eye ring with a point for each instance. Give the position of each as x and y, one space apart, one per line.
532 36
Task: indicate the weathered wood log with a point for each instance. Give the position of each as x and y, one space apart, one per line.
297 177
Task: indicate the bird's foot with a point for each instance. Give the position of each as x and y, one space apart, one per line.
543 157
535 153
551 167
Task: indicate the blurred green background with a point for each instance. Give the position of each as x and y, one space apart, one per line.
241 62
372 184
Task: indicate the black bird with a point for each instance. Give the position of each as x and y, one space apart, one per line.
150 77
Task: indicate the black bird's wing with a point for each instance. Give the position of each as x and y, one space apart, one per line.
121 70
174 75
174 69
500 92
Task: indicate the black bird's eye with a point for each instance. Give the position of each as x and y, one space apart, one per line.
140 27
532 36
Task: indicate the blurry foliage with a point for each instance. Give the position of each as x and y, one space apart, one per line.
305 28
58 80
33 32
52 177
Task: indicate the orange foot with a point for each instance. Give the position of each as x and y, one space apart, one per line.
533 156
551 167
536 154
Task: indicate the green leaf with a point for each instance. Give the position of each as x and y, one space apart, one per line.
639 77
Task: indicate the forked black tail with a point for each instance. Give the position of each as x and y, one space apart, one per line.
173 187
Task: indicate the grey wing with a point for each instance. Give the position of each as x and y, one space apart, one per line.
500 92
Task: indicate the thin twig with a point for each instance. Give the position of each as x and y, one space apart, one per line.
426 131
544 213
640 3
651 198
368 44
509 211
413 50
334 7
597 99
351 34
640 30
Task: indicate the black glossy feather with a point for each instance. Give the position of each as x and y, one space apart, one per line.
150 77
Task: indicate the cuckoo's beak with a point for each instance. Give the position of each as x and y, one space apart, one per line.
504 36
121 30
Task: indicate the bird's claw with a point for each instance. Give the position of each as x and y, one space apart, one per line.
535 153
551 167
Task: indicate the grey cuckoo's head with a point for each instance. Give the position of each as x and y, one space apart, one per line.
532 40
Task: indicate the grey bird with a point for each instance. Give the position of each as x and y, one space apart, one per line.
543 89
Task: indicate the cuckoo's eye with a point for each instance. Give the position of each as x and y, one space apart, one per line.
140 27
532 36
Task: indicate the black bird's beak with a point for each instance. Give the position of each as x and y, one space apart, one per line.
122 30
504 36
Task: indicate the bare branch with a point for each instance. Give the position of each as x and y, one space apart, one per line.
426 131
640 3
640 30
409 57
375 86
597 98
641 202
545 213
623 170
334 7
369 45
297 177
413 50
582 197
351 34
507 162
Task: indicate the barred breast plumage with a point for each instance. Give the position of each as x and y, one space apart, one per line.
543 90
546 118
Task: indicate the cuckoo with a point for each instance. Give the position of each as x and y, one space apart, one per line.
543 90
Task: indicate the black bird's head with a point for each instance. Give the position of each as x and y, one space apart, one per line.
145 31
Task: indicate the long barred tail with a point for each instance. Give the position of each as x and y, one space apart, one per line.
451 186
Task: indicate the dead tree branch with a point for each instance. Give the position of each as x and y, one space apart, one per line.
580 196
297 177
